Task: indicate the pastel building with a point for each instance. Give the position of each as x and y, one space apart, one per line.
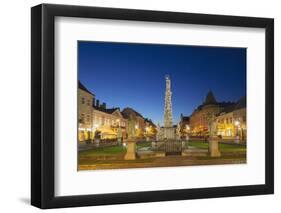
199 118
232 121
85 102
140 123
109 123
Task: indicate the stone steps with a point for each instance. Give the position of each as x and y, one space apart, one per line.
195 152
150 154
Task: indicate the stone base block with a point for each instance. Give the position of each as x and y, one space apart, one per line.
131 151
130 156
214 147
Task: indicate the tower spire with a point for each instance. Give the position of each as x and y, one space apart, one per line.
168 120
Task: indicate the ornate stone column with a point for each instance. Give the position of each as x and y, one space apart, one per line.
168 119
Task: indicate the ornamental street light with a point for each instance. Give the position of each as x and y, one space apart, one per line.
237 125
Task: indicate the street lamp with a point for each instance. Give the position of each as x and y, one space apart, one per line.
119 131
187 130
237 125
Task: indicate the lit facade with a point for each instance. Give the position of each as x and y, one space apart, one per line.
85 102
230 118
184 127
140 123
97 123
199 118
108 123
150 130
233 124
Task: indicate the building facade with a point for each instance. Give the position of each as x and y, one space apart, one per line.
108 123
150 130
85 102
99 123
232 122
200 118
184 127
139 120
230 118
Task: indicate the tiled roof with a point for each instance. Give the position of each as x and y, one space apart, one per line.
185 118
82 87
109 111
210 98
128 111
150 122
241 103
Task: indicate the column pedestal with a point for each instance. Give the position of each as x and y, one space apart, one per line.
131 150
214 147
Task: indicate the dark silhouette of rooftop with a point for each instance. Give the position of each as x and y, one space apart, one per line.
210 98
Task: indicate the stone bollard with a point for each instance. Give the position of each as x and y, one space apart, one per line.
214 147
131 150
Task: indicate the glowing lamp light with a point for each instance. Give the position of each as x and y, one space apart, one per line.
236 123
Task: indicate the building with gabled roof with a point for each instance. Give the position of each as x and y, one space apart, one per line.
232 121
130 113
84 104
210 107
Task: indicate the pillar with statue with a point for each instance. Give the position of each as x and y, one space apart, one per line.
213 138
131 141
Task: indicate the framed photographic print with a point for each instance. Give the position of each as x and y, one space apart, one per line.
139 106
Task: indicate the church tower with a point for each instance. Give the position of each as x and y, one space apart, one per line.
168 120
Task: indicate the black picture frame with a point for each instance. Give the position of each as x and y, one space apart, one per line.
43 102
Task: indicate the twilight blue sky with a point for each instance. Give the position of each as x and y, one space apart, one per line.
133 75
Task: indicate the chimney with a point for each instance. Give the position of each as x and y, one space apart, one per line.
103 105
98 103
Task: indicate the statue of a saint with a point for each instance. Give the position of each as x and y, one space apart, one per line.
212 124
213 130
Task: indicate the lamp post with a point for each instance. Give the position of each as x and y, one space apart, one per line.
146 133
187 127
96 139
119 132
237 125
